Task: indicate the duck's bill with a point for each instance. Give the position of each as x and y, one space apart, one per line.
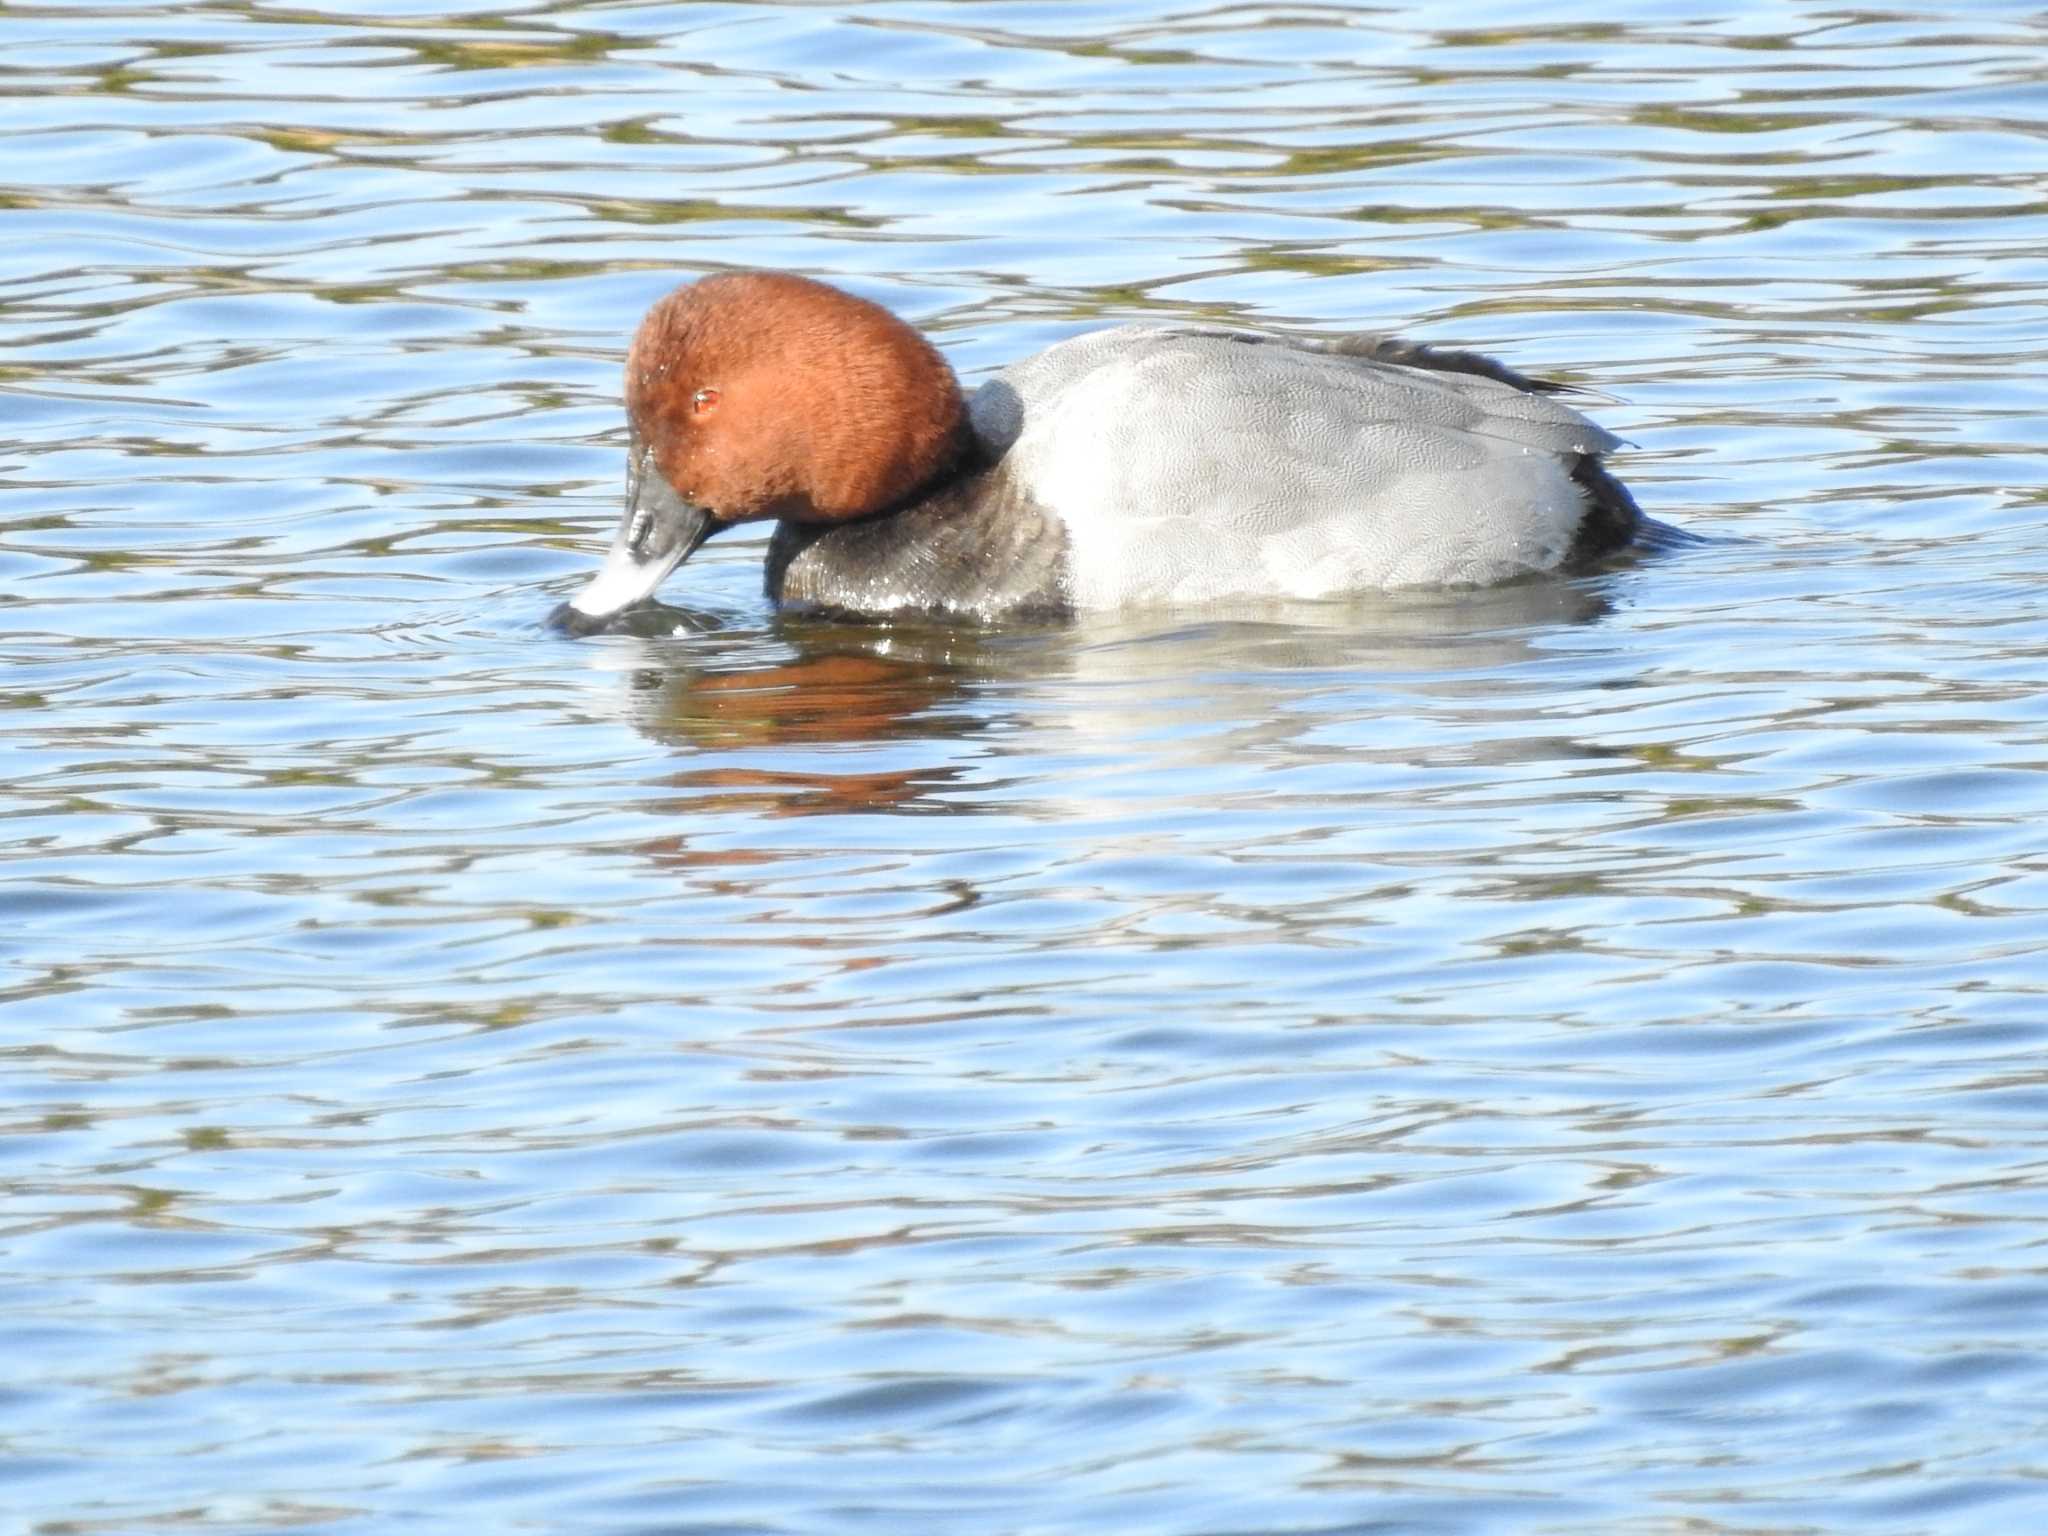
659 532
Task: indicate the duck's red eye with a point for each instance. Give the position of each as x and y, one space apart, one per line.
703 400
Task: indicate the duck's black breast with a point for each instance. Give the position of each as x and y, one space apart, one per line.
976 547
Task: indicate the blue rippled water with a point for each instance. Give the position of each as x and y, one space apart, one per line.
1566 1059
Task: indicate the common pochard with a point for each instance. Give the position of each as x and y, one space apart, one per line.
1141 465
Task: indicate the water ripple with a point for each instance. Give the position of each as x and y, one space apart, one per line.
1559 1059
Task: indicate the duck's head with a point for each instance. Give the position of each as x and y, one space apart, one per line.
755 395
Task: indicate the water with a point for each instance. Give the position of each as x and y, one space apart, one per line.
1561 1060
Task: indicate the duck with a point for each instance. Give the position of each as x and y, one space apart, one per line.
1130 467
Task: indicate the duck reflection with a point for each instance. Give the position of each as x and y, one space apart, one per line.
748 701
737 698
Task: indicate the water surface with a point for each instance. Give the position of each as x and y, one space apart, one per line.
1565 1059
